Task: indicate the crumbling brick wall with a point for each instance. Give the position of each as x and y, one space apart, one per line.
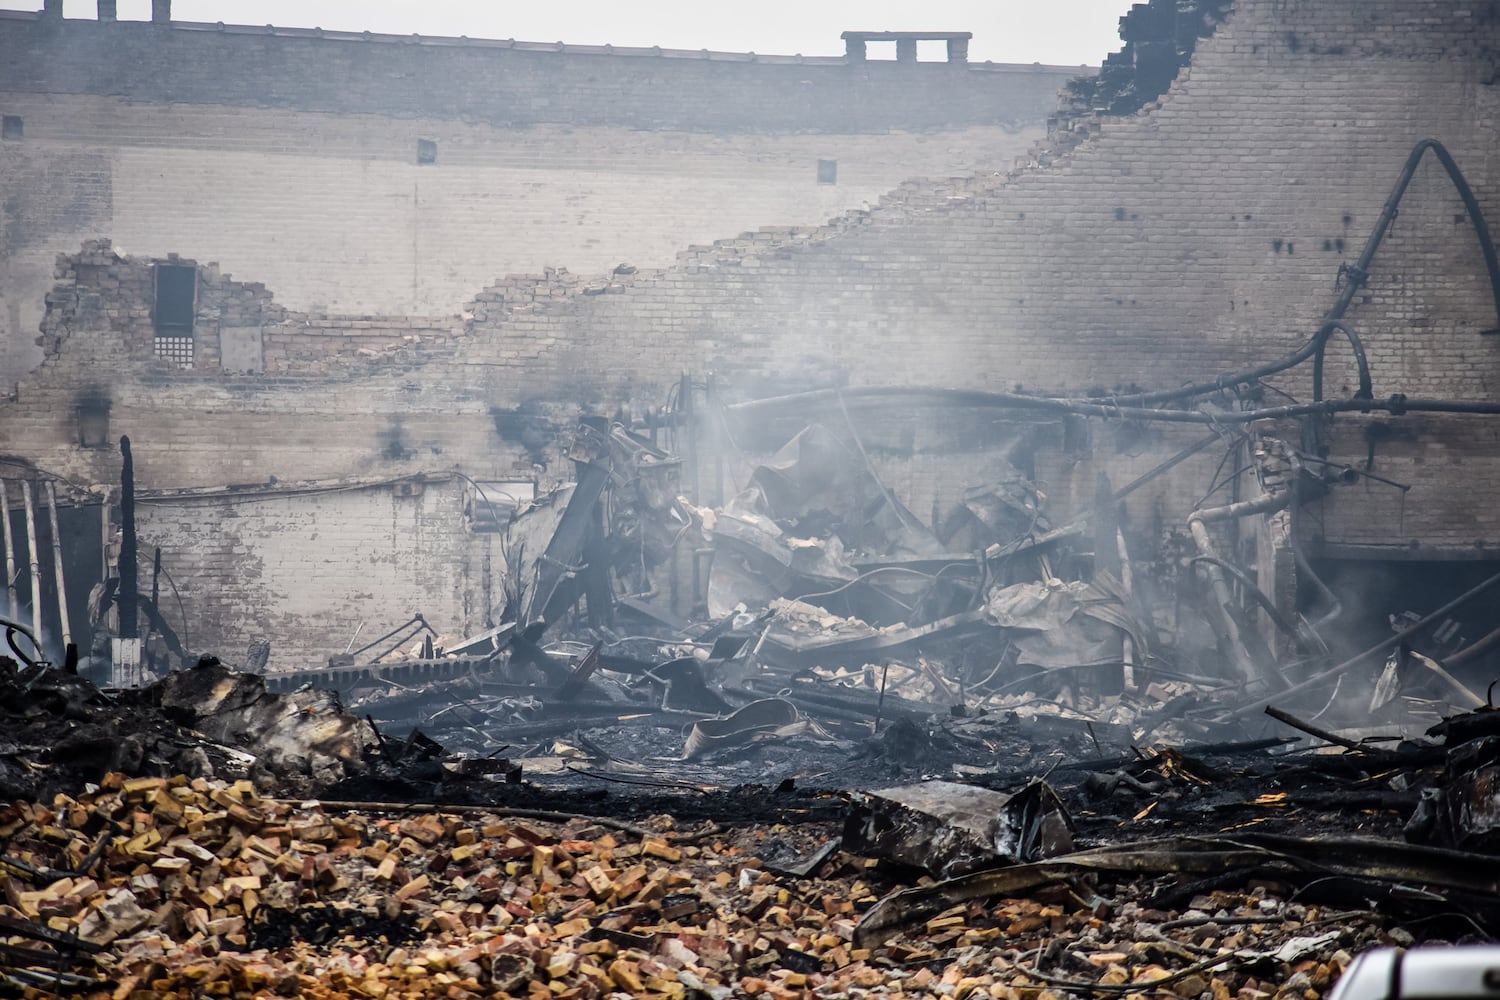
1209 230
321 562
102 312
300 158
1203 235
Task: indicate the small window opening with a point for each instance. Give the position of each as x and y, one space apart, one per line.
932 50
828 171
426 151
133 10
11 127
880 51
93 424
176 298
176 302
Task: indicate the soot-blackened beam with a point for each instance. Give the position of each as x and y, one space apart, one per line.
129 581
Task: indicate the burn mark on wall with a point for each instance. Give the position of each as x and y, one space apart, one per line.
393 444
526 425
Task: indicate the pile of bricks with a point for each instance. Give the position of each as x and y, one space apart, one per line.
199 888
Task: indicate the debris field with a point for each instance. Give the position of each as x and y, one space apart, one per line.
1212 872
787 740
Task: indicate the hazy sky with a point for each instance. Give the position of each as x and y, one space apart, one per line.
1065 32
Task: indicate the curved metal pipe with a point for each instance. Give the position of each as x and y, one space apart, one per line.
1475 650
1130 406
1365 391
1253 589
1359 272
11 630
1396 404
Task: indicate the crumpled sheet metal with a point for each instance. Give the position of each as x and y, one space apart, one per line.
1297 859
815 472
764 541
1464 811
1061 624
755 562
999 513
950 829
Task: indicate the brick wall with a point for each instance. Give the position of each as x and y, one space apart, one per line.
293 157
508 83
334 213
305 569
1424 489
1191 238
103 313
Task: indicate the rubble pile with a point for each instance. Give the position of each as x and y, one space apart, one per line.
62 732
155 887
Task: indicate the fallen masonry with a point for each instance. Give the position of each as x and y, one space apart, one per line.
1249 869
205 888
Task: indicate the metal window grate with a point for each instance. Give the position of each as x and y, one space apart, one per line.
176 350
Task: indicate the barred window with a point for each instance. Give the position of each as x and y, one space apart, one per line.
178 351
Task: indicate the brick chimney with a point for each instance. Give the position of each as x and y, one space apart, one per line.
52 10
161 11
108 10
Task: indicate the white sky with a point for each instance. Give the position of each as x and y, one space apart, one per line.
1063 32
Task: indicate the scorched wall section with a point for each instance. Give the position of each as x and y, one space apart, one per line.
319 564
1205 233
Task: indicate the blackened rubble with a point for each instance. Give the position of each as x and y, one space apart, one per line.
1253 865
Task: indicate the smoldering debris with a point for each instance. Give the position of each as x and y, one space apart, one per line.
802 693
1210 869
811 626
62 732
813 589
